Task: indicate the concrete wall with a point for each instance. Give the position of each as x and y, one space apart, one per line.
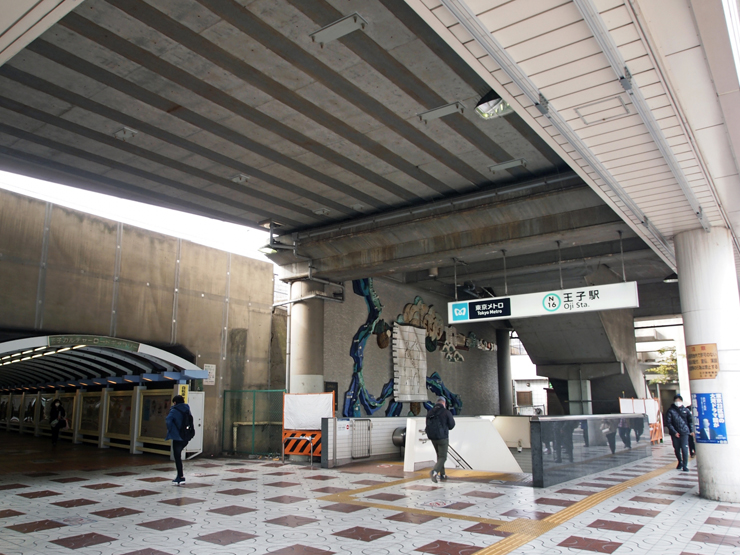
63 271
475 380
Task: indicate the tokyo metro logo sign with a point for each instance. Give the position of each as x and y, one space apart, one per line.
459 312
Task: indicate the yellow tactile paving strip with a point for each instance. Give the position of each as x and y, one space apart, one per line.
523 530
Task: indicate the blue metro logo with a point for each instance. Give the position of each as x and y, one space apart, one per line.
459 312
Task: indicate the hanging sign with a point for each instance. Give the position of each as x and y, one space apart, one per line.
709 417
703 361
567 301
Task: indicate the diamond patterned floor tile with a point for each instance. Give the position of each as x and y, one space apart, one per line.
117 512
411 518
232 510
38 494
37 526
182 501
292 521
225 537
363 534
343 508
84 540
440 547
236 491
165 524
75 503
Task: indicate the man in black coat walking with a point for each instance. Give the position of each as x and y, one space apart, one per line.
679 422
439 424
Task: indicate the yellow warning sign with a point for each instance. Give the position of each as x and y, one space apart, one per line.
703 361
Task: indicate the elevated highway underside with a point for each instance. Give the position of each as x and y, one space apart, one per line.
286 114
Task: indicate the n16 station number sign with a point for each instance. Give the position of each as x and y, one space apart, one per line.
569 301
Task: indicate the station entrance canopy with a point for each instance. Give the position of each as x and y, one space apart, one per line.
62 361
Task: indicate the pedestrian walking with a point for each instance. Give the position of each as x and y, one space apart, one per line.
57 420
680 423
177 418
439 424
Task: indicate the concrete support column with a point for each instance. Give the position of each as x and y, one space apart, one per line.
306 339
503 357
711 314
579 397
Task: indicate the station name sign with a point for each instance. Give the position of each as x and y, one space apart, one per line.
568 301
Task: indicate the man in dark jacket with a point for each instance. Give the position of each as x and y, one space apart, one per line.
439 424
679 422
175 419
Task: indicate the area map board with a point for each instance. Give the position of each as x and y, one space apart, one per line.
568 301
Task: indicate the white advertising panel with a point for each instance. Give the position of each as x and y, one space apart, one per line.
305 411
568 301
626 406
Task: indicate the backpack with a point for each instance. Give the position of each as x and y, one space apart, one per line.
187 430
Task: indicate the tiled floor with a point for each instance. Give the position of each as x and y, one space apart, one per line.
260 507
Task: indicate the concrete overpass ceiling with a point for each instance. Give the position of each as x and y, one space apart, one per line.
229 110
81 361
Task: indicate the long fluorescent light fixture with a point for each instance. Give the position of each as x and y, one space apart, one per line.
446 110
338 29
508 165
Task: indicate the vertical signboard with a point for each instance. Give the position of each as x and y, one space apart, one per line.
211 379
182 389
709 417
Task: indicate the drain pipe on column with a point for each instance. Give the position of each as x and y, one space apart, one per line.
287 353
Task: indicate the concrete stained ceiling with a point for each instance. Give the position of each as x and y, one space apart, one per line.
329 138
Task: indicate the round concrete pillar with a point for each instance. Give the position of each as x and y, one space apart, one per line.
306 339
503 358
710 304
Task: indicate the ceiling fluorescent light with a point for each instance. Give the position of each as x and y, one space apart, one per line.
446 110
338 29
508 165
671 278
493 106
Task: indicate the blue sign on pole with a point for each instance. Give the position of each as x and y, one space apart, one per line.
709 417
